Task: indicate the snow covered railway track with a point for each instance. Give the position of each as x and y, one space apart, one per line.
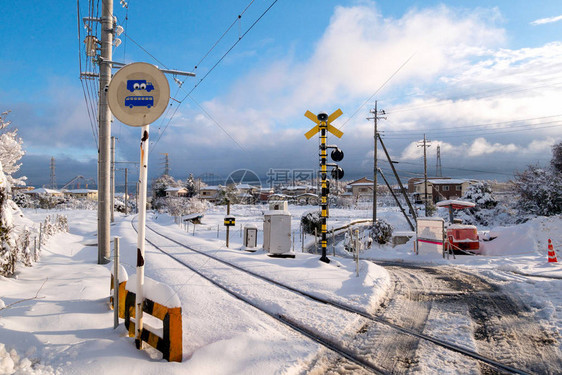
344 347
327 335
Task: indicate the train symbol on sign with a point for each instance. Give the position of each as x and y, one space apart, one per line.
139 101
139 84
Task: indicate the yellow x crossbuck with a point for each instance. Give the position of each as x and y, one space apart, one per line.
335 131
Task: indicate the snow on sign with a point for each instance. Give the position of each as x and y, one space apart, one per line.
429 235
138 94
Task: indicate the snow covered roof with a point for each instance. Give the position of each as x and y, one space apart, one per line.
361 184
42 191
81 191
455 203
447 181
175 189
210 188
245 186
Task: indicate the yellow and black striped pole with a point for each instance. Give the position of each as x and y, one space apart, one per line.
322 125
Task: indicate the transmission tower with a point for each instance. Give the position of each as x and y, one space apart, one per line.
438 171
166 164
53 182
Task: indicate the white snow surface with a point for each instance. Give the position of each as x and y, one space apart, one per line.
54 316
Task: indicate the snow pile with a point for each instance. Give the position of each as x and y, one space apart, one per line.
12 363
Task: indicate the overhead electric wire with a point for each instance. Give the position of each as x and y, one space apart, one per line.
188 94
145 50
377 90
455 128
230 49
85 90
466 133
446 101
224 34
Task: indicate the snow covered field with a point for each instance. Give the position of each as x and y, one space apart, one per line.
54 317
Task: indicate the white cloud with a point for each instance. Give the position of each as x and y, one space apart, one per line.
543 21
481 146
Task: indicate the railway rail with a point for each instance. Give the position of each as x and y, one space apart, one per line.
341 348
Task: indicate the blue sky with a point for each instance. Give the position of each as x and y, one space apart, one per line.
483 81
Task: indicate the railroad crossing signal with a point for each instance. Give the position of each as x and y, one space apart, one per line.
323 124
323 119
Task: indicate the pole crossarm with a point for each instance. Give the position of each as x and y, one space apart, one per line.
116 65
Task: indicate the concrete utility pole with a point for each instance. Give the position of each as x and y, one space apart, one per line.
112 179
375 117
104 198
126 193
425 145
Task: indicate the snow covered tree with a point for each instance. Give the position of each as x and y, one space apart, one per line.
540 191
160 185
11 152
312 221
8 249
556 161
190 185
381 232
227 194
481 194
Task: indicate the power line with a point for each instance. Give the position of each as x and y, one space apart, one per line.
521 128
455 128
445 101
377 90
188 94
224 34
230 49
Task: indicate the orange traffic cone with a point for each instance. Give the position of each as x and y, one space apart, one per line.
551 253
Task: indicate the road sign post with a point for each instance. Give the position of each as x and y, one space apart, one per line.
323 124
138 95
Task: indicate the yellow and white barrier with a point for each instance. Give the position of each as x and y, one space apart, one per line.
123 277
162 303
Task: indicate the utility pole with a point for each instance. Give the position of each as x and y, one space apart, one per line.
438 171
375 117
104 198
126 193
425 145
112 179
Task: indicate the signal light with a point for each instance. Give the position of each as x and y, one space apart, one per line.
337 154
337 173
